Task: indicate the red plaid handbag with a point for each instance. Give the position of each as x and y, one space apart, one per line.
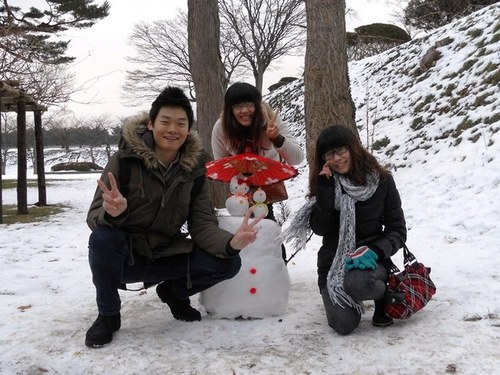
414 282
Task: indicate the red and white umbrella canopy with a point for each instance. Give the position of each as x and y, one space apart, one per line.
259 170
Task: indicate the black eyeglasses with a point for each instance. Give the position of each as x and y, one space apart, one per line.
339 151
243 105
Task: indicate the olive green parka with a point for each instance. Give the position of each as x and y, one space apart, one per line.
161 200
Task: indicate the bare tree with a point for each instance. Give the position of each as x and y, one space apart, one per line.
264 30
162 53
8 129
48 84
203 37
430 14
60 132
99 134
327 93
398 15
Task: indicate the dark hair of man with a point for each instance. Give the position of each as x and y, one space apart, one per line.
362 161
171 97
240 136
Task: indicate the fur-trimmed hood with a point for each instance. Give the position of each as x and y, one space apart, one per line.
136 140
159 200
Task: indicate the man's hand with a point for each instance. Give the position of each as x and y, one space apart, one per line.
246 233
114 203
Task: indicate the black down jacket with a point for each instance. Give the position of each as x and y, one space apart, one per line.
380 223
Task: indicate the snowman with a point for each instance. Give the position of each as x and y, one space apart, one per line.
261 287
259 207
237 204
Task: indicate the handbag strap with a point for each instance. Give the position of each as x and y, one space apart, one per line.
408 258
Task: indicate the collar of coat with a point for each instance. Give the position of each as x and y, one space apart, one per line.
136 140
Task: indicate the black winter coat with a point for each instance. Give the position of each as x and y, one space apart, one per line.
380 223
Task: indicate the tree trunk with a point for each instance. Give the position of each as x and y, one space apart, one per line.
327 93
259 80
207 72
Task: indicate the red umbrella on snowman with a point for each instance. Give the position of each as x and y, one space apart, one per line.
243 171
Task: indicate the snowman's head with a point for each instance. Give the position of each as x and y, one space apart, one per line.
259 196
239 185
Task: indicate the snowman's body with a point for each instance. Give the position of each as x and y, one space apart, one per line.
262 286
259 207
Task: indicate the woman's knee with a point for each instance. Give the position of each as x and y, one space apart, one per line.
343 319
342 328
363 285
357 283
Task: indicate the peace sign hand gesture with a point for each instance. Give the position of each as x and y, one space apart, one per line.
246 233
113 202
272 128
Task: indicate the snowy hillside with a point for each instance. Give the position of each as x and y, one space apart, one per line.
406 110
442 123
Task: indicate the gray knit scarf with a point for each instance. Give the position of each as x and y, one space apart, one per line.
345 203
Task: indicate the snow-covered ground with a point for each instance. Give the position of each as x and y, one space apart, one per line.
47 297
450 196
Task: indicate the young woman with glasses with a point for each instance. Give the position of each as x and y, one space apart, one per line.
356 208
248 124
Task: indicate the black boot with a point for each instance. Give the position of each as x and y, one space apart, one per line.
380 318
101 332
181 308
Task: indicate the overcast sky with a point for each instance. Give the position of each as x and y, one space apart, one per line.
101 50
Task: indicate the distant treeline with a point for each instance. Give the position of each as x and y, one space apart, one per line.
66 137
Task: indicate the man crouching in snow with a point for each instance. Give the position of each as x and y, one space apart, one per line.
136 222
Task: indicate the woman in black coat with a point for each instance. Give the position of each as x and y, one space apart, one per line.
358 212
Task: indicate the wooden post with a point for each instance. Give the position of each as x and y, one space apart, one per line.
22 184
40 167
10 96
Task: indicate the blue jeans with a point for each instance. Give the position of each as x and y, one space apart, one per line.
188 274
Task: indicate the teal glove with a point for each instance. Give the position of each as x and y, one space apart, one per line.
363 258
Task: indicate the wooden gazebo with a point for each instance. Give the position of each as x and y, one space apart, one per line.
14 99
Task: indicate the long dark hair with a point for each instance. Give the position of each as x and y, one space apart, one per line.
362 161
240 136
